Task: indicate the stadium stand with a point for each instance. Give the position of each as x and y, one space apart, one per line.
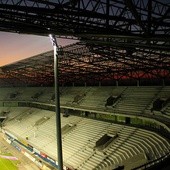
167 110
88 143
109 127
135 100
79 143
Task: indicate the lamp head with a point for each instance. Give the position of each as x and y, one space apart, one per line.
53 39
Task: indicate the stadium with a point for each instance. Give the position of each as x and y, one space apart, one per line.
110 90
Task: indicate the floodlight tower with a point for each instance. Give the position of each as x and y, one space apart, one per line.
57 103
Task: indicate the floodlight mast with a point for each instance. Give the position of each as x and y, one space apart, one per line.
57 103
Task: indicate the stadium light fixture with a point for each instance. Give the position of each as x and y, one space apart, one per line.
57 102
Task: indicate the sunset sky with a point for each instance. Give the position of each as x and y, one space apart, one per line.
15 47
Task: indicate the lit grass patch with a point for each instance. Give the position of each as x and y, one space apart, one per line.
7 164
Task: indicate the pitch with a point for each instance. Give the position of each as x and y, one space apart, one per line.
8 162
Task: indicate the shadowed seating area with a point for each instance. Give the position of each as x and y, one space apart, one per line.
123 99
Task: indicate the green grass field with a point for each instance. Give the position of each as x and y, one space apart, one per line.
6 164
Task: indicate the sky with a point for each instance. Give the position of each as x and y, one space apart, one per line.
15 47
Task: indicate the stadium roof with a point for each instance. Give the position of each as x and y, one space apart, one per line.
80 63
119 39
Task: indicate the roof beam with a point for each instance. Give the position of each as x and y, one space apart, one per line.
133 10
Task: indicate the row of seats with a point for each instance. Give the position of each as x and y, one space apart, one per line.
134 100
79 143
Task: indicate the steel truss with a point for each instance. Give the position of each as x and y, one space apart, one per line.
119 39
